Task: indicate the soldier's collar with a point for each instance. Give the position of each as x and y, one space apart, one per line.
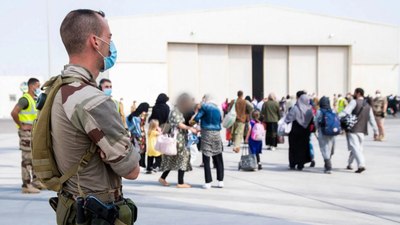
79 70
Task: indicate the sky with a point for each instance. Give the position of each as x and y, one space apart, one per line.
31 37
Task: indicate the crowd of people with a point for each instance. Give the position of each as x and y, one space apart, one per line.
83 144
304 112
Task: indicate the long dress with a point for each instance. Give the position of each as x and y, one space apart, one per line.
299 146
180 161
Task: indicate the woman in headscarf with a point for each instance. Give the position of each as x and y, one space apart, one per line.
301 117
180 161
210 117
141 112
326 143
160 110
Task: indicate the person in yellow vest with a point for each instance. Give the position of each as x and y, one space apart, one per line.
23 114
341 103
105 85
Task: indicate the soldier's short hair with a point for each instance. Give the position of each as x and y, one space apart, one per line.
76 28
102 81
32 81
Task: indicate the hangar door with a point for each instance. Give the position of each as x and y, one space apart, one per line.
316 69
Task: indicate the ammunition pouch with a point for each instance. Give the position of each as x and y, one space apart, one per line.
66 210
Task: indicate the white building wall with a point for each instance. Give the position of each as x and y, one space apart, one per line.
373 55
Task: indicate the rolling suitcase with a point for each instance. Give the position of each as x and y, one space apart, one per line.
248 162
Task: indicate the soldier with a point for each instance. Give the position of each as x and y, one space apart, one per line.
379 106
23 114
106 86
82 115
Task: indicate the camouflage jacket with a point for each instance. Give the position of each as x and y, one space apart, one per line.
82 115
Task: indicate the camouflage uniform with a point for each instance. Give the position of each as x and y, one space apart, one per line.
82 115
26 155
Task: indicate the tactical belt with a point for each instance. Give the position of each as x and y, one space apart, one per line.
111 196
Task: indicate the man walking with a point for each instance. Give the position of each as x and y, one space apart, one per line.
83 116
355 137
23 114
379 106
241 117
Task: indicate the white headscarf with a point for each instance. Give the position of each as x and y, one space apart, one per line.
301 112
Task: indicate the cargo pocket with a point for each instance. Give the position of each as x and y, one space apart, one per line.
66 211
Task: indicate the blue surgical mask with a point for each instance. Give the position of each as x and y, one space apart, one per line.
109 61
38 91
107 91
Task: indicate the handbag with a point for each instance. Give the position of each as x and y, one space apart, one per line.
230 118
166 144
350 120
283 127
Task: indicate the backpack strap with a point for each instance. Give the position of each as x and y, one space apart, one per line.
83 162
74 170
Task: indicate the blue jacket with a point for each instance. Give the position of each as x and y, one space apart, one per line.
209 116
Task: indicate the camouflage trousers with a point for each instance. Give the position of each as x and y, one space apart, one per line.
26 157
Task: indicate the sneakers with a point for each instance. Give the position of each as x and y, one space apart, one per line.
207 186
273 148
149 172
349 167
312 164
259 166
220 184
183 186
30 189
163 182
360 170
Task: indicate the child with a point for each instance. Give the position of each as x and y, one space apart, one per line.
255 147
152 153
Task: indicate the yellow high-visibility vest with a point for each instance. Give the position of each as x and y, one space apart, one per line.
117 105
341 104
29 114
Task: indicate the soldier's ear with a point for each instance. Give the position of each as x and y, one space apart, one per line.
94 42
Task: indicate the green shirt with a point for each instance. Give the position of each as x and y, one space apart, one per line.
270 111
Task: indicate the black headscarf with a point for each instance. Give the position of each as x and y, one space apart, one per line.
143 107
324 103
162 99
248 98
160 109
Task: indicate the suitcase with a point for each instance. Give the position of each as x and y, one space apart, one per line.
248 162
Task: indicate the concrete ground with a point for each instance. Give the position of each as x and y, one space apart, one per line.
273 195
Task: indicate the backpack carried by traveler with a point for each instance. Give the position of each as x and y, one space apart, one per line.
350 120
257 132
230 118
44 163
134 126
330 123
